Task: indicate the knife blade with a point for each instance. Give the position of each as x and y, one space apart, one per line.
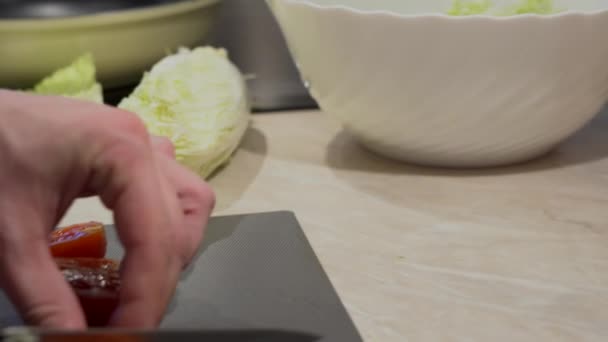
22 334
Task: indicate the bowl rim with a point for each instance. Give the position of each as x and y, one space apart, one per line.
440 15
105 18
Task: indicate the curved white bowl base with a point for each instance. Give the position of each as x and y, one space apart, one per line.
455 160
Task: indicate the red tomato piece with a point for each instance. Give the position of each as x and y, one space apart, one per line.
96 282
84 240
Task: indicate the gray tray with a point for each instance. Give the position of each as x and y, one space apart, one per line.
254 271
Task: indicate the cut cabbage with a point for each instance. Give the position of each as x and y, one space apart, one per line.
76 80
469 7
531 6
473 7
196 98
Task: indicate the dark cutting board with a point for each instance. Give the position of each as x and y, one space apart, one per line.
254 271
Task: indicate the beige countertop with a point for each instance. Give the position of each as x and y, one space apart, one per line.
517 254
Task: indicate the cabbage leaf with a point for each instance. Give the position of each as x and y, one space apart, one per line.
76 80
478 7
197 99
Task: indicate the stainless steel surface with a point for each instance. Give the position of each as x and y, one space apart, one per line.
235 335
248 30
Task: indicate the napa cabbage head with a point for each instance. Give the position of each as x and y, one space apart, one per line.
197 99
76 80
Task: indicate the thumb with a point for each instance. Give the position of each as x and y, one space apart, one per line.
36 287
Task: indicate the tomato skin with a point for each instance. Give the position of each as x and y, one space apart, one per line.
96 283
84 240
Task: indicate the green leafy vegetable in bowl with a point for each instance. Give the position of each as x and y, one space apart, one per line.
76 80
531 6
460 7
196 98
477 7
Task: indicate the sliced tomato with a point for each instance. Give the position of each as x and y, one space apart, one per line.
96 282
84 240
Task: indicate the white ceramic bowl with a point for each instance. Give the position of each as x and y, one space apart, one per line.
414 84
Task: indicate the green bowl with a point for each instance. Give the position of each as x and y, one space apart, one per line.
124 43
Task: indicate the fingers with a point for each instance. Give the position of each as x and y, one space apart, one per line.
37 288
163 145
129 182
160 211
196 201
191 201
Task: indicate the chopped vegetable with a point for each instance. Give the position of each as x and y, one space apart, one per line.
85 240
531 6
461 7
76 80
476 7
96 283
197 99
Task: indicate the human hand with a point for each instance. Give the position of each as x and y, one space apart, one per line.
54 150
